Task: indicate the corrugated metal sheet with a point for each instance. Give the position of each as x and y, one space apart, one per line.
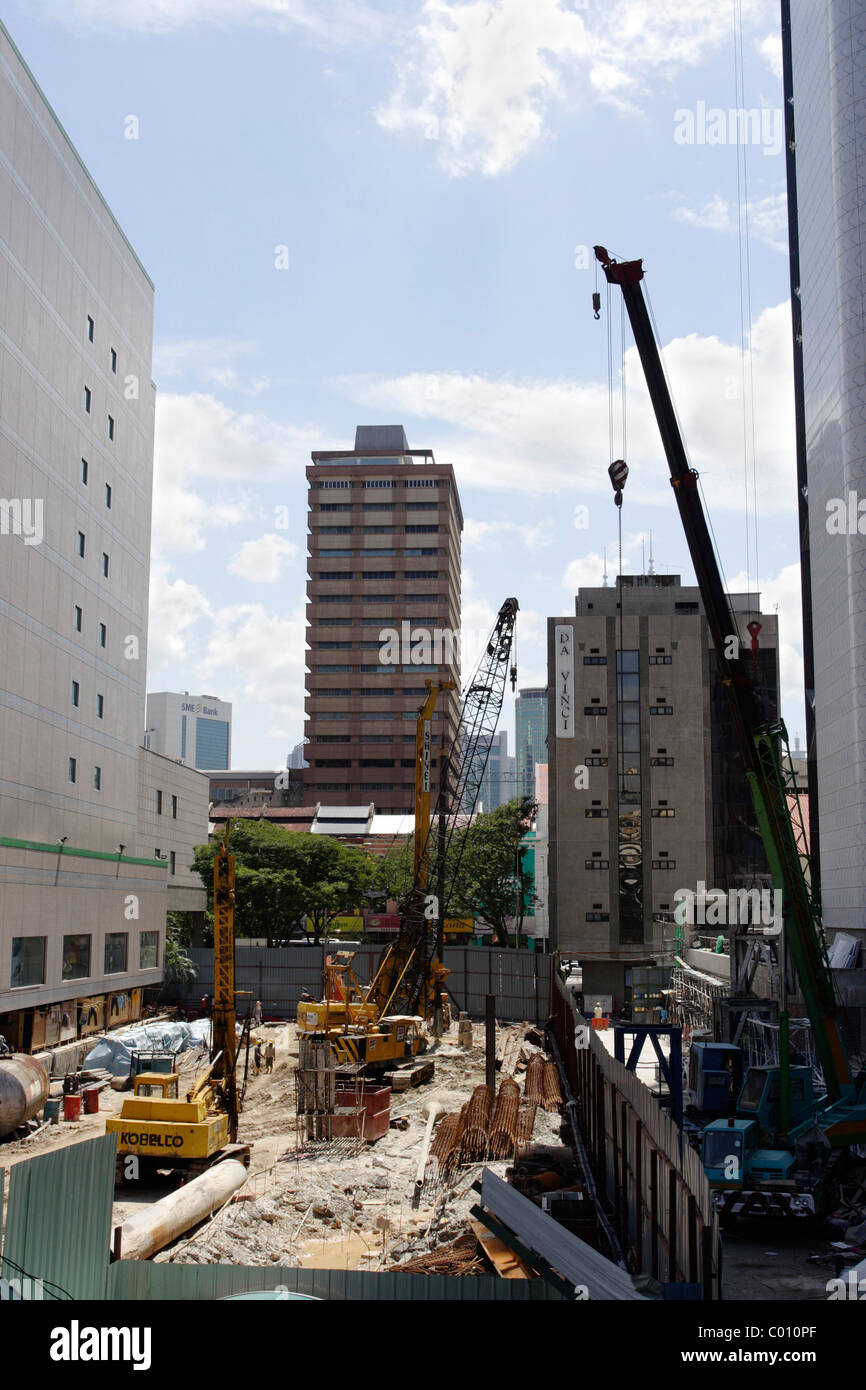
277 975
58 1223
567 1253
141 1279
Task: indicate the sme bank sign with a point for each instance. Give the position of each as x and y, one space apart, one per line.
196 707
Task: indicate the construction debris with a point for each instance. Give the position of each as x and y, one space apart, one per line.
475 1138
533 1087
460 1256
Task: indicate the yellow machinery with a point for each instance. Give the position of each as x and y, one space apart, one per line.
191 1133
355 1018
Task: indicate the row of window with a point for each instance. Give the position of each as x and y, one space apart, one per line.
29 955
85 474
159 803
373 552
431 506
370 598
365 738
91 337
600 812
81 547
376 530
102 630
330 576
374 692
381 482
88 406
75 696
368 762
367 714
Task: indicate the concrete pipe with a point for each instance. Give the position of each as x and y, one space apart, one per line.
24 1087
158 1225
432 1110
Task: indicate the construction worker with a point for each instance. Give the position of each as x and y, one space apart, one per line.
270 1054
257 1014
596 1013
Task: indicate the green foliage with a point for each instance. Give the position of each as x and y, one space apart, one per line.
491 880
283 877
178 969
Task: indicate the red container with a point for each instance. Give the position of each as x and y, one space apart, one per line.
72 1107
375 1101
91 1100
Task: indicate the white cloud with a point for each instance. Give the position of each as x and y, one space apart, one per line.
770 50
176 608
347 21
212 361
258 658
261 561
488 533
553 436
480 80
203 450
780 593
768 218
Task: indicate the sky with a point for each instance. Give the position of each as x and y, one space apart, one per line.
383 213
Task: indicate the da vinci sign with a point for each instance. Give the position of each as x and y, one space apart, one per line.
564 666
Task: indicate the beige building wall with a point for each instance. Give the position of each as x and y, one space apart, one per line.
173 803
76 465
674 674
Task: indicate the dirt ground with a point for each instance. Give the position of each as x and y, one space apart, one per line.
333 1210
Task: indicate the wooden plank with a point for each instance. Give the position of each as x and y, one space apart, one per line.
504 1261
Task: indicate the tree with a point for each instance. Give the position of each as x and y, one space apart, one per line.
491 880
178 969
284 877
395 870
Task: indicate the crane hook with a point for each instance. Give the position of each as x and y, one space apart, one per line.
596 304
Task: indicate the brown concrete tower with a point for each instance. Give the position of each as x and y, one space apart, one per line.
383 606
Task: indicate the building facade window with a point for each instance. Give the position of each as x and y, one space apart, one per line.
72 769
629 824
174 808
90 328
113 360
116 952
103 634
97 779
104 565
111 426
108 495
79 618
76 956
76 690
28 961
148 950
82 542
100 706
85 468
159 803
87 399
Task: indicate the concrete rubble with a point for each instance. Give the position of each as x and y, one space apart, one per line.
354 1211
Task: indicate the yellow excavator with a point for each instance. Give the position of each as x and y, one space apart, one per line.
155 1125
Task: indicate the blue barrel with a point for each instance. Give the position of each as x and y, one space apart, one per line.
52 1110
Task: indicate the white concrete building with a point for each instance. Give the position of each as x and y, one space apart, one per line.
193 729
82 893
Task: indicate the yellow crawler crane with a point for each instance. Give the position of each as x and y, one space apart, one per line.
154 1124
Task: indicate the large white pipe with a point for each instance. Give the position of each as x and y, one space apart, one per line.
24 1088
432 1109
158 1225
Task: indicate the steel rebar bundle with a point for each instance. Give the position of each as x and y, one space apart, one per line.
461 1256
503 1127
445 1149
533 1085
526 1122
551 1094
476 1136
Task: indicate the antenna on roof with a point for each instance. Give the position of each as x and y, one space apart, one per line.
604 576
651 569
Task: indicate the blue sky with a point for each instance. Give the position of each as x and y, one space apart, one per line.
434 171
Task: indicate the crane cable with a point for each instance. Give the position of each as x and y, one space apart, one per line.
745 290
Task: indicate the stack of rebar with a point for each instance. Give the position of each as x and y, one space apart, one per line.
533 1085
445 1148
476 1130
503 1126
460 1256
551 1097
526 1122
